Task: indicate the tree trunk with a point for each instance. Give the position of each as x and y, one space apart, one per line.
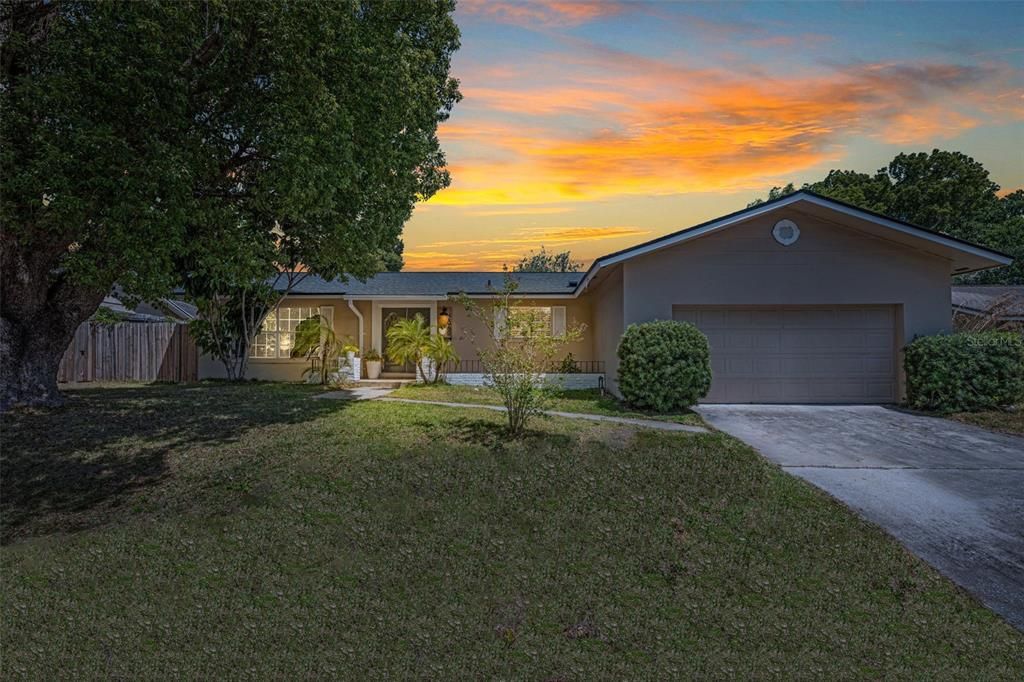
29 372
31 350
41 310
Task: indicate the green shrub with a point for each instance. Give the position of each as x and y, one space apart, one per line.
965 372
663 365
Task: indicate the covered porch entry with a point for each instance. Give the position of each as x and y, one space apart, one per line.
385 314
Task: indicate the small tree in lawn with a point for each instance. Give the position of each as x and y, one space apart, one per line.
522 351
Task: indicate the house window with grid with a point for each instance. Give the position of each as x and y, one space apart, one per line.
530 321
277 335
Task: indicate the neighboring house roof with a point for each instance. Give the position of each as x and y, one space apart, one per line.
181 310
1007 301
114 304
967 256
439 284
160 309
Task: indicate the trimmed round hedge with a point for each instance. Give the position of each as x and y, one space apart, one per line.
965 372
664 365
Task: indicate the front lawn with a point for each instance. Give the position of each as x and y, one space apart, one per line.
997 420
243 531
588 401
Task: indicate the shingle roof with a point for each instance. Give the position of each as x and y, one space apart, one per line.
983 298
439 284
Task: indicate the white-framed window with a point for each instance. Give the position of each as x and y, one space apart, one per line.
529 321
536 321
277 335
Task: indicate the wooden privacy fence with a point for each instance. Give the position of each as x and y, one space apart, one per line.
130 351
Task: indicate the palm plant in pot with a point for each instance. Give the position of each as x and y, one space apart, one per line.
372 359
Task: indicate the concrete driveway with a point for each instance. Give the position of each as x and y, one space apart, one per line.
951 493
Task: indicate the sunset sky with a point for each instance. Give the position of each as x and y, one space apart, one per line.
592 126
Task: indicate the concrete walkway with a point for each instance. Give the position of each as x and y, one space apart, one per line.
354 394
645 423
951 493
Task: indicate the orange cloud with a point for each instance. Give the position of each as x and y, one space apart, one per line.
490 253
643 126
438 260
934 122
554 13
536 236
534 210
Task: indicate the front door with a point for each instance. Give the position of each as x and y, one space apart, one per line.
388 316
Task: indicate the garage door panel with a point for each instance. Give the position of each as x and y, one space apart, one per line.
768 341
740 340
882 387
714 319
878 366
881 340
794 354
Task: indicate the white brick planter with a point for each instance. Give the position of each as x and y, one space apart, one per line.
346 371
578 380
355 368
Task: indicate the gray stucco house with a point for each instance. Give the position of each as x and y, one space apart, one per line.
803 299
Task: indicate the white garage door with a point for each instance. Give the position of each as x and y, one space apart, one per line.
844 354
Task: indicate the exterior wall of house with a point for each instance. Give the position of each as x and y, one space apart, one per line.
344 323
470 333
606 306
828 265
467 333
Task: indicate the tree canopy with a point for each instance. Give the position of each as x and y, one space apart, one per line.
205 144
542 261
945 191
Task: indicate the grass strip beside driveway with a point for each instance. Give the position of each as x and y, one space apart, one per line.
1006 421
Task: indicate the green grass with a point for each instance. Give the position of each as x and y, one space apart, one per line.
588 401
249 531
997 420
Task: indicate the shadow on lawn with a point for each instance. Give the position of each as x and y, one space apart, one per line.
106 444
488 434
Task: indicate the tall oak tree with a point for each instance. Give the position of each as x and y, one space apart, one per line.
156 144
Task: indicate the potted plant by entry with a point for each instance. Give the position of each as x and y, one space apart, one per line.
372 360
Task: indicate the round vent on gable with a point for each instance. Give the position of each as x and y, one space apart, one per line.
786 232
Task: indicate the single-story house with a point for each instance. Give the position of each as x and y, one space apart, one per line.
803 299
993 307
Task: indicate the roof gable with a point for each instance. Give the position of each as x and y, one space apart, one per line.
967 256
